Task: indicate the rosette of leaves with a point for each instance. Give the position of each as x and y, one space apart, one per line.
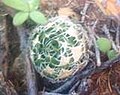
27 9
59 48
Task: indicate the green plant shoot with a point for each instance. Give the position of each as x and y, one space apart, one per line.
104 44
112 54
27 9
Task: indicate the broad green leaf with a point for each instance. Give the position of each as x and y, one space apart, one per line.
112 54
33 4
17 4
20 18
104 44
38 17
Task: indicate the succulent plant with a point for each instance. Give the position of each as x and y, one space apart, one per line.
59 48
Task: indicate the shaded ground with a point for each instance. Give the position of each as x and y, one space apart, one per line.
104 82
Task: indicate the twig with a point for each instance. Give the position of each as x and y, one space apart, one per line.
118 37
109 37
83 87
97 52
68 85
116 87
47 93
84 11
31 80
2 27
94 25
11 46
69 2
74 86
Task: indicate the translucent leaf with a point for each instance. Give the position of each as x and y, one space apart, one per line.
55 61
104 44
55 44
20 18
112 54
17 4
38 17
33 4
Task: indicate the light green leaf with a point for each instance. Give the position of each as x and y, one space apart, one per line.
33 4
17 4
20 18
104 44
38 17
112 54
